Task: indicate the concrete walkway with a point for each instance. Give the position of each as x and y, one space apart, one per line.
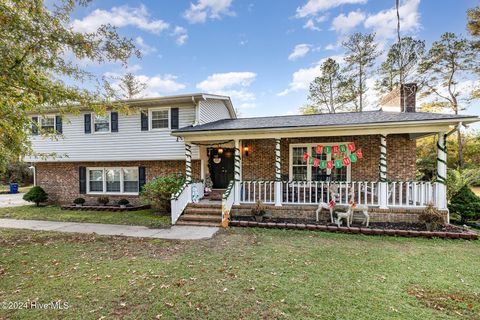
173 233
12 200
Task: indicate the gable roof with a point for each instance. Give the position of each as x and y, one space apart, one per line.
325 120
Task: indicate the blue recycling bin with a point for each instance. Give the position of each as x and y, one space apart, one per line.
13 187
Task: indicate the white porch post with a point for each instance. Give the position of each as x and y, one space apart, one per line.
278 174
238 163
383 184
188 162
441 186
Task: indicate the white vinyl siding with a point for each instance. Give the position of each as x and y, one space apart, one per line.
129 143
212 110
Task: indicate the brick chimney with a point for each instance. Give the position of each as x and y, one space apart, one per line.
400 99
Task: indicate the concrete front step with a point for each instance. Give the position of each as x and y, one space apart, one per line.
205 205
194 217
198 223
203 211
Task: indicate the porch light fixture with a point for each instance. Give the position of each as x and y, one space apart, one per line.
220 150
245 151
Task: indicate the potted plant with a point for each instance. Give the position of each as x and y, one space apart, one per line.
431 217
260 212
79 202
103 200
123 203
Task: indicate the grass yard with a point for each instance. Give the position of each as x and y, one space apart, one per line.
240 274
54 213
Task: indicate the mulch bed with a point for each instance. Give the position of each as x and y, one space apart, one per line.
375 228
104 208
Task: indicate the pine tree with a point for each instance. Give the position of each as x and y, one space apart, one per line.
131 86
466 204
361 53
328 92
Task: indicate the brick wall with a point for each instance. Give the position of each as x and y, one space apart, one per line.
61 179
401 157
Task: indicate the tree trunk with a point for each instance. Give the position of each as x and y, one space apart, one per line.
461 163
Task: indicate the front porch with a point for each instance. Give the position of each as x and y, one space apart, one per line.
278 172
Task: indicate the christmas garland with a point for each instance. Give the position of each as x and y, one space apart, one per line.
338 163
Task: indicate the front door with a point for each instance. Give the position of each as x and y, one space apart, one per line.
221 164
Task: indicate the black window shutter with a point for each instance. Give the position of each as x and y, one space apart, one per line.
82 178
174 118
114 121
88 123
58 124
35 126
144 120
141 178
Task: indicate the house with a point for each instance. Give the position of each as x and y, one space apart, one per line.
290 163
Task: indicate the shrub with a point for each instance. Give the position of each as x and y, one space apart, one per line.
259 209
103 200
158 191
80 201
36 194
123 202
466 204
431 217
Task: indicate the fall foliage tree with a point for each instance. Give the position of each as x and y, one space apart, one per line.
38 49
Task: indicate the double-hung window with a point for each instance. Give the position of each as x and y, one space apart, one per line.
47 123
301 170
159 119
113 180
101 123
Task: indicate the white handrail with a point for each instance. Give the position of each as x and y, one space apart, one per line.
228 198
183 197
410 194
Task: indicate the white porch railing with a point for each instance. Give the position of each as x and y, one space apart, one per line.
314 192
228 198
183 197
410 193
400 193
253 191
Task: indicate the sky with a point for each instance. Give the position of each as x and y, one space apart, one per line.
263 54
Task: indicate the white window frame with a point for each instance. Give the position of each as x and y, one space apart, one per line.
50 115
104 181
150 118
109 114
309 152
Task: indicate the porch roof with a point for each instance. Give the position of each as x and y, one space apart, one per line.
345 119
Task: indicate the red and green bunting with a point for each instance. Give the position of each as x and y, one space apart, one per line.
339 163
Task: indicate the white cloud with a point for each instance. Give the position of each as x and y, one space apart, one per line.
208 9
344 23
384 23
312 7
181 34
232 84
299 51
122 16
221 81
144 48
301 78
311 23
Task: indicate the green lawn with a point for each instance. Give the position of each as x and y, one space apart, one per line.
54 213
241 274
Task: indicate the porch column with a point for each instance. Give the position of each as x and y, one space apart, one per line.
278 174
441 186
383 184
238 163
188 162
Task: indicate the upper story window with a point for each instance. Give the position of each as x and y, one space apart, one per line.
47 123
101 123
159 119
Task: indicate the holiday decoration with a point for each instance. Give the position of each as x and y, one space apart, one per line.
337 163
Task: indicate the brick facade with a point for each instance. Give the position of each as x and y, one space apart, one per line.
401 157
61 179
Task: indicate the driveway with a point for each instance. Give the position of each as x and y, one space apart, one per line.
12 200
